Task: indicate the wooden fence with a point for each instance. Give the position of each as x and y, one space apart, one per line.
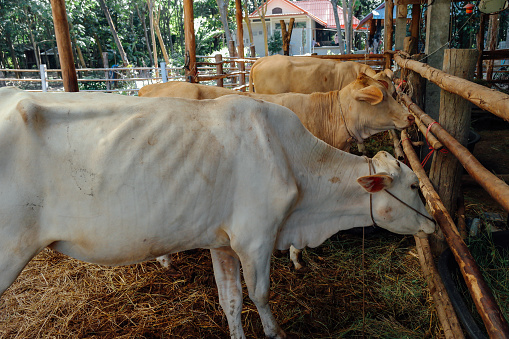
128 80
496 103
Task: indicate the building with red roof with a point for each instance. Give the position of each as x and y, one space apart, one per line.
313 31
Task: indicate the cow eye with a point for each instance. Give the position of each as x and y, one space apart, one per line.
414 186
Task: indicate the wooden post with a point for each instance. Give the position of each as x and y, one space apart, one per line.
445 311
240 47
400 34
63 37
233 54
106 73
287 35
483 298
480 44
437 35
492 43
219 69
414 28
446 170
388 25
190 61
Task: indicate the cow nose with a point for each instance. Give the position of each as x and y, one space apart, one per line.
411 119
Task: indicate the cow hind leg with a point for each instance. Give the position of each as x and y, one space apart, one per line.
227 274
296 257
11 265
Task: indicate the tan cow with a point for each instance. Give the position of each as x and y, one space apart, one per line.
359 110
283 74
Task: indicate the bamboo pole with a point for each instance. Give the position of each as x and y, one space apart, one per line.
495 187
443 305
190 64
482 296
488 99
432 140
398 151
63 37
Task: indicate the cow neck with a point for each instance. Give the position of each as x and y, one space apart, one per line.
332 126
330 198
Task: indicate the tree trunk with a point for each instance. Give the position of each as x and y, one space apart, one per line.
248 24
32 39
80 55
13 52
142 19
98 43
338 26
223 12
347 31
286 35
161 42
152 32
350 26
492 42
262 11
114 33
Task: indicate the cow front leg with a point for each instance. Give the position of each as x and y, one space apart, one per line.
227 274
256 268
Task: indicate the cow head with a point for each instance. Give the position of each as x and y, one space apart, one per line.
388 212
369 108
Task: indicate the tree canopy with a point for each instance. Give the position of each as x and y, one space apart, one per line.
27 26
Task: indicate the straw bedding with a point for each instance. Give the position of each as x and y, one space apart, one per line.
59 297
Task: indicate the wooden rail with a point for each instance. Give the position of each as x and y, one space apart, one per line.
496 187
483 298
491 100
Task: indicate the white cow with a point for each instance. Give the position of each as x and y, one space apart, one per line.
118 180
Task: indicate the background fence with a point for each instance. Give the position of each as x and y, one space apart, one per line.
218 70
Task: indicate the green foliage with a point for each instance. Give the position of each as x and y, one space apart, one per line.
275 43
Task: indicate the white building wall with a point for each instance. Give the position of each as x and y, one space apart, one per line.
300 42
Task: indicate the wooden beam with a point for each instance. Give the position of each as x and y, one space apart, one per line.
240 38
69 77
482 296
415 27
190 57
488 99
388 25
480 44
495 187
496 54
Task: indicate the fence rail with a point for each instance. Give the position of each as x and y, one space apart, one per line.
128 79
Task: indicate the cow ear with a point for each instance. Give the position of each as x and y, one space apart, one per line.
371 94
389 73
376 182
385 83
